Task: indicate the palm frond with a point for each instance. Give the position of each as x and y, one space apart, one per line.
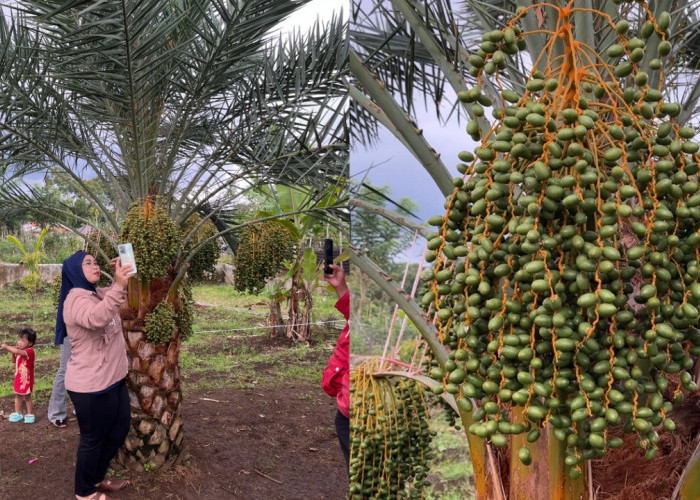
194 100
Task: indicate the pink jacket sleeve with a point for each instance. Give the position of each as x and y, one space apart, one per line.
81 308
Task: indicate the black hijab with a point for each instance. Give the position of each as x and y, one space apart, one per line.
72 276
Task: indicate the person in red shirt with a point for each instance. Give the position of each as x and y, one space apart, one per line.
336 376
23 358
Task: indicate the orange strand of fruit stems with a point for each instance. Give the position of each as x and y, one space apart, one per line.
532 346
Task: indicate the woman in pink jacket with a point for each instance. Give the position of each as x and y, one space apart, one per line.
336 376
97 368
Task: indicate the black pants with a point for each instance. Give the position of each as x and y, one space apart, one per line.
342 428
104 423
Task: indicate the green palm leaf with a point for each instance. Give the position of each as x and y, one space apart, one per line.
195 101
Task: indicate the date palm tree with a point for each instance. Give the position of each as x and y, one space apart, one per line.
178 108
406 50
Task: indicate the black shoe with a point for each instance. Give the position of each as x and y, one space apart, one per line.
59 423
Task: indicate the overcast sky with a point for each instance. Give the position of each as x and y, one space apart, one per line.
324 9
304 17
389 163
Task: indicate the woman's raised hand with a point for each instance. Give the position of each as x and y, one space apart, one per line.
121 273
336 279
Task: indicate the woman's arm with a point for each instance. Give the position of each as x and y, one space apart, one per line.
86 310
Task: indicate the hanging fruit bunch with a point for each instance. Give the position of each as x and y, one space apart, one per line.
160 323
156 241
566 279
205 259
183 317
154 236
262 249
389 436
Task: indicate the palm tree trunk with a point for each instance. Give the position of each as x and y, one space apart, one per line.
155 388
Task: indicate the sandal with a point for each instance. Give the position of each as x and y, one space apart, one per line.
15 417
59 423
100 496
112 484
29 418
97 496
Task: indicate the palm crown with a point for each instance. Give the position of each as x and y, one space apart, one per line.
192 101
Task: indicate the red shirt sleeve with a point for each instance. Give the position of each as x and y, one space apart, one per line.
343 305
336 376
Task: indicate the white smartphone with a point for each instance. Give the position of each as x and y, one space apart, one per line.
126 256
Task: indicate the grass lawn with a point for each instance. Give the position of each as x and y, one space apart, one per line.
256 417
221 314
451 472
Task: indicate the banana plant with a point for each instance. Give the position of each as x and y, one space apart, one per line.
297 209
295 287
31 261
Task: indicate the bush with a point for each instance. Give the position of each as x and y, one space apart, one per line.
59 246
9 252
56 246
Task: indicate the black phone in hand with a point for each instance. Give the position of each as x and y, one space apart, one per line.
328 247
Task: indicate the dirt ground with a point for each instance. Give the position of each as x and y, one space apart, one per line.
243 444
272 442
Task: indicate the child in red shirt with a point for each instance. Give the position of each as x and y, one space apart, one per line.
23 358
